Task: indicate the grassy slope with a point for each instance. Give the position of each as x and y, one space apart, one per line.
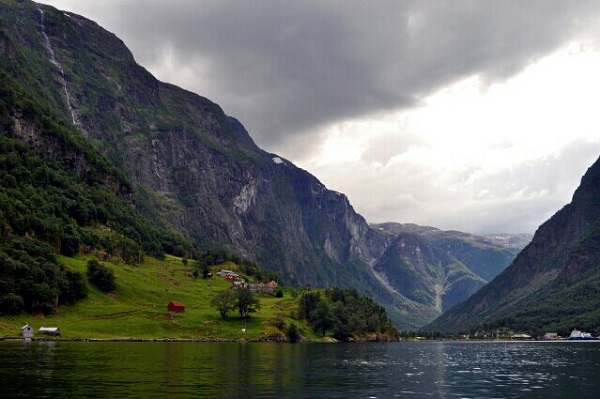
137 309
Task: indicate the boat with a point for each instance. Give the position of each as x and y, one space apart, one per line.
577 335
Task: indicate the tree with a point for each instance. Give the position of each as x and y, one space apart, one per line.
224 302
101 276
11 304
246 302
70 242
308 303
293 334
341 332
321 318
73 288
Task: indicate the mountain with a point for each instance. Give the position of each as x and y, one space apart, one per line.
182 176
553 284
437 268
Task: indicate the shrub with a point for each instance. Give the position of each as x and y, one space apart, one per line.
279 323
293 335
73 288
101 276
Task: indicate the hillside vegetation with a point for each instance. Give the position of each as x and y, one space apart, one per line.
136 309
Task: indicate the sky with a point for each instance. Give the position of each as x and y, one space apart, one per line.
472 115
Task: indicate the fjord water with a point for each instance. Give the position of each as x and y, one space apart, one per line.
267 370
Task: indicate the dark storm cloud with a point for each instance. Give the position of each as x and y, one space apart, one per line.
311 80
286 68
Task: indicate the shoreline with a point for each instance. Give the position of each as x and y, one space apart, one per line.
327 340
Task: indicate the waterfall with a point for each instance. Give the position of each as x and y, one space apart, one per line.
55 62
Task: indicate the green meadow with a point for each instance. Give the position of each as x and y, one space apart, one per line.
137 309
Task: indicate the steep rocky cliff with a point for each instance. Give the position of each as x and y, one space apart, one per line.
193 169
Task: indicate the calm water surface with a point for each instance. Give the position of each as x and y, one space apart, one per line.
256 370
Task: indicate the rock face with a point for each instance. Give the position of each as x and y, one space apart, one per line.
554 282
197 170
436 268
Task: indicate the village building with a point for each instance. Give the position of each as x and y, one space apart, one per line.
264 288
27 332
49 331
239 284
176 306
228 274
520 336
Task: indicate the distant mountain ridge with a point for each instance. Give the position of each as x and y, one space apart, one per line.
518 241
440 268
553 284
194 170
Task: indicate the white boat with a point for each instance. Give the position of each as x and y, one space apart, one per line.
577 335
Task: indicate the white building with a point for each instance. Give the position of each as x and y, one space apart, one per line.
49 331
27 332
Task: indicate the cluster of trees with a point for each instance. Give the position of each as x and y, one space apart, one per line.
32 280
241 299
344 313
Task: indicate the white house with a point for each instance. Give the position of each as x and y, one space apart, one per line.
27 332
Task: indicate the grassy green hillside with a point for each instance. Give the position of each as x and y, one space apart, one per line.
137 308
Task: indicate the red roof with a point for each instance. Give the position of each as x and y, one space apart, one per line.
175 306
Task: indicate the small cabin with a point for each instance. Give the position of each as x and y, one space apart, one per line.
49 331
27 332
175 306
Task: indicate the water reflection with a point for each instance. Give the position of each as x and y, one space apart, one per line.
254 370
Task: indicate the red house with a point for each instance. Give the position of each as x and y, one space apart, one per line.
175 306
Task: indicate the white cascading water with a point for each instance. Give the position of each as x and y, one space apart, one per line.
53 60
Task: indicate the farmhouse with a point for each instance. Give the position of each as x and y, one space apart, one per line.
175 306
228 274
